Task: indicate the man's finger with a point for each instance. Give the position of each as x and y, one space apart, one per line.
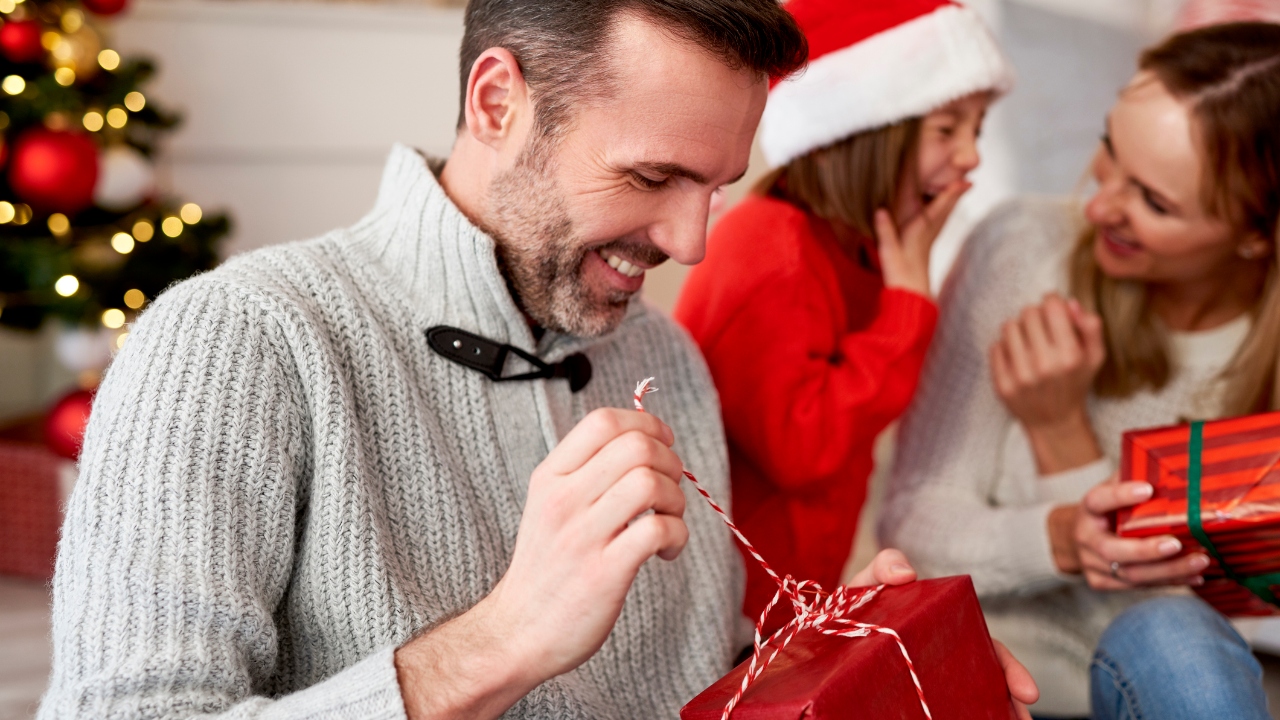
620 456
889 567
1022 687
657 534
598 429
1111 496
639 491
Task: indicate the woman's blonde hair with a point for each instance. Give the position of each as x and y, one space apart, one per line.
846 182
1230 76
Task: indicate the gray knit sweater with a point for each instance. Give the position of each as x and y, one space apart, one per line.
281 484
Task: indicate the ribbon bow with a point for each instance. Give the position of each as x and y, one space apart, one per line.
826 612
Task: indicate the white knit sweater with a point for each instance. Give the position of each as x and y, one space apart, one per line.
281 483
964 495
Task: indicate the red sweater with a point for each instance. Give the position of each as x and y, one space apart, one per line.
813 357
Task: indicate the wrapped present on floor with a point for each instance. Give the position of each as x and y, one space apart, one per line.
949 665
1217 488
31 493
920 650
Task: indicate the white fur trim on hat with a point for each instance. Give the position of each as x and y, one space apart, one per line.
901 73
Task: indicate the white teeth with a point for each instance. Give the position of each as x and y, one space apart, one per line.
622 266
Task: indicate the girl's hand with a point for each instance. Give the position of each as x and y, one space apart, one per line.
1110 562
1042 367
904 257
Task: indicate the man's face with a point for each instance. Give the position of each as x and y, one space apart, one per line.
579 220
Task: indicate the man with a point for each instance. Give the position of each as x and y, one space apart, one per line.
294 503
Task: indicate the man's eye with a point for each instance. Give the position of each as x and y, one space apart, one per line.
648 183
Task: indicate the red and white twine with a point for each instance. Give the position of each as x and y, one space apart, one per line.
825 612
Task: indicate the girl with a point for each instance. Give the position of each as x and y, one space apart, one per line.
1060 332
812 310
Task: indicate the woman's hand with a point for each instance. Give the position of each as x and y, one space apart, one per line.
904 257
1042 367
1110 562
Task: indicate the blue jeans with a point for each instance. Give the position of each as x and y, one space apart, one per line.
1174 658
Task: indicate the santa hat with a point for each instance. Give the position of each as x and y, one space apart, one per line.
873 63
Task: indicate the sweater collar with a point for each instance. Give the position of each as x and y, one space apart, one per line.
446 265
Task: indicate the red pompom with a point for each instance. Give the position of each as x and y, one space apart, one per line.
104 7
20 41
54 170
64 425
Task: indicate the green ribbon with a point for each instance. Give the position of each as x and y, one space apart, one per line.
1259 585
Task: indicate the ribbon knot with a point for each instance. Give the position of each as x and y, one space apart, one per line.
829 613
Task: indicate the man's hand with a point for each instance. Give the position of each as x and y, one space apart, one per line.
579 547
1022 688
890 567
1137 562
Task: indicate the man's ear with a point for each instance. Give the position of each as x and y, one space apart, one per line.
497 98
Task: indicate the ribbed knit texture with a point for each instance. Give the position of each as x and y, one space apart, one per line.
281 483
964 495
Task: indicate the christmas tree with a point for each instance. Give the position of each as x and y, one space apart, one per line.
84 236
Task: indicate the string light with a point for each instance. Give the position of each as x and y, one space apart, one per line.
143 231
62 50
191 213
7 213
65 76
113 318
72 20
67 285
117 117
57 120
135 101
172 226
93 121
14 85
59 225
122 243
21 214
50 39
7 6
109 59
120 340
134 299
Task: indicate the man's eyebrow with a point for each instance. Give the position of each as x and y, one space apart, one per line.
671 169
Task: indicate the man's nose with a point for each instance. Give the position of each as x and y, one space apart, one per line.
682 233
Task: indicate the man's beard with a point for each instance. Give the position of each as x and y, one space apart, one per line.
540 256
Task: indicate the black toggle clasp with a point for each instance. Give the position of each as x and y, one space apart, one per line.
489 357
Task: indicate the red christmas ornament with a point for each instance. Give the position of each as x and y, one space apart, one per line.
54 170
64 425
104 7
20 41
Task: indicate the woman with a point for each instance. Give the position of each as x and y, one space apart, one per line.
1059 333
813 312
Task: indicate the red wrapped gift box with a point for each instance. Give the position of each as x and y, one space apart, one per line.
30 511
1233 468
822 676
